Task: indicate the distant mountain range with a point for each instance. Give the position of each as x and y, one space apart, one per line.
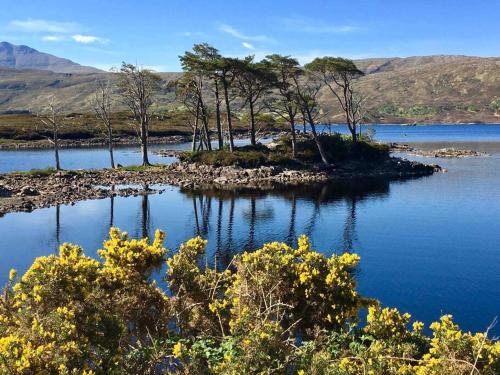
24 57
421 89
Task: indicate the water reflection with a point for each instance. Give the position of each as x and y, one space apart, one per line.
301 213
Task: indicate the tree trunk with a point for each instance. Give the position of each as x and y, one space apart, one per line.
294 137
144 143
195 130
56 151
252 124
354 134
228 114
217 116
322 153
204 119
110 145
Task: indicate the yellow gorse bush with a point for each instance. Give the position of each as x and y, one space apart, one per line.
276 310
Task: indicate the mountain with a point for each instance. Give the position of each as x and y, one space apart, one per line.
432 89
423 89
24 57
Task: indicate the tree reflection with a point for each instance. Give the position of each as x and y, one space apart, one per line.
302 216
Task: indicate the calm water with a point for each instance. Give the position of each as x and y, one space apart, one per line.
428 245
99 158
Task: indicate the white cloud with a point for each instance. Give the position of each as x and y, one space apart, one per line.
34 25
237 34
53 38
88 39
248 45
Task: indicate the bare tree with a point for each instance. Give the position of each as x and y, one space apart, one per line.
186 90
51 120
103 103
137 88
339 75
307 89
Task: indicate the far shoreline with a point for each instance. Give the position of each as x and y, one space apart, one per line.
11 144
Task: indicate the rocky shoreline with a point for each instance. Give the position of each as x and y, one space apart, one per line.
124 141
26 192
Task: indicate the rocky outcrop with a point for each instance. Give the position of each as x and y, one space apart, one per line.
448 152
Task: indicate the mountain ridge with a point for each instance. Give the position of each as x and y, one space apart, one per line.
25 57
421 89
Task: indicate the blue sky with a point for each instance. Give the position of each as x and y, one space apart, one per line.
153 33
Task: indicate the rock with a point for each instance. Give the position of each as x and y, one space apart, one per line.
5 192
28 191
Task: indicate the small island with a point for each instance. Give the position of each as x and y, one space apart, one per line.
258 167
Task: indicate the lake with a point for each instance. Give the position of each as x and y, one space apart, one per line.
428 246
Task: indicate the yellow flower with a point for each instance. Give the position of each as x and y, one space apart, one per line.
177 350
12 274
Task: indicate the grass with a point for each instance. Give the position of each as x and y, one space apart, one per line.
338 149
25 127
36 172
140 168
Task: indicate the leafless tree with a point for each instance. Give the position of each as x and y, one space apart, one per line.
103 103
137 88
307 90
51 119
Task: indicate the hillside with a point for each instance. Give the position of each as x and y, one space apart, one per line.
432 89
427 89
24 57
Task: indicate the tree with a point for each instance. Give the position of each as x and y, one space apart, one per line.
137 88
52 119
338 75
227 71
307 89
287 71
103 102
253 80
196 68
186 90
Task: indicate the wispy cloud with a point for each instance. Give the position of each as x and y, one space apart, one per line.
248 45
53 38
189 34
47 26
57 31
237 34
307 25
88 39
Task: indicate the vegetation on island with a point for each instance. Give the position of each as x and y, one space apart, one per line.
277 310
303 153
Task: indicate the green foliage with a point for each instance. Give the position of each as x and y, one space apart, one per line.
334 66
338 148
495 104
277 310
37 172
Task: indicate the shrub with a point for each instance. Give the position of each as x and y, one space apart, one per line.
338 148
277 310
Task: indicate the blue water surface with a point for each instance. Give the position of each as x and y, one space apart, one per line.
428 246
